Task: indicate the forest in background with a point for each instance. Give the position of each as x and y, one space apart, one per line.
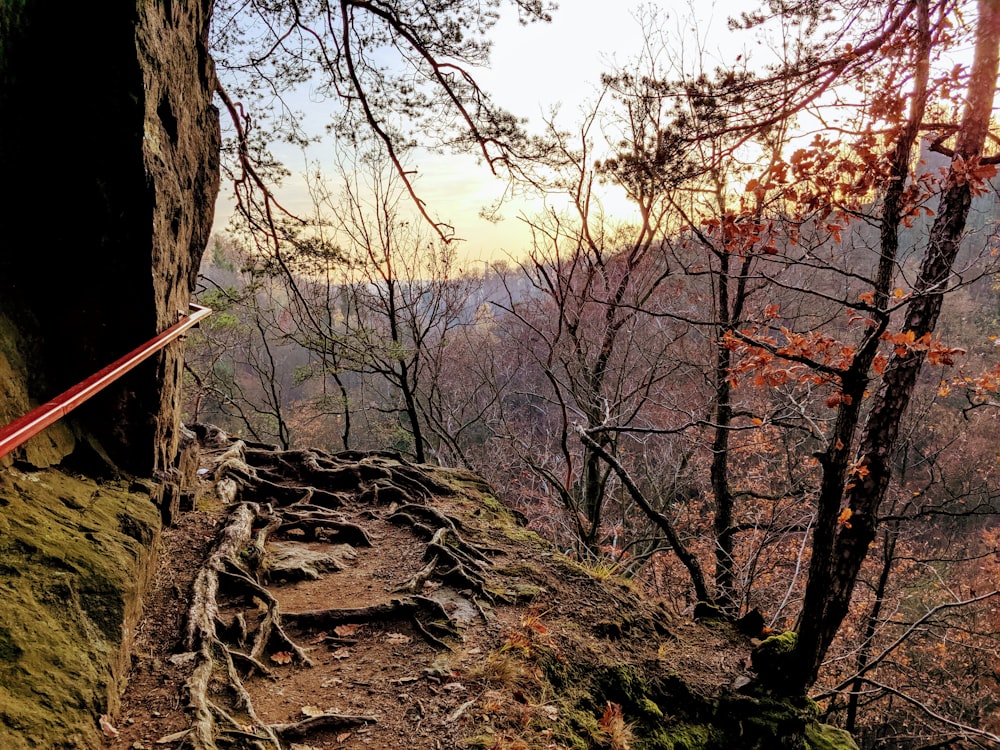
756 387
483 399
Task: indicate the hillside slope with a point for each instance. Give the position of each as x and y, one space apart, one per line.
357 600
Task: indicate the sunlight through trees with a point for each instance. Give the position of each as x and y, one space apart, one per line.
772 392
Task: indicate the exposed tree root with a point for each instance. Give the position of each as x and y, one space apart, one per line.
407 608
223 575
289 503
319 523
450 558
302 729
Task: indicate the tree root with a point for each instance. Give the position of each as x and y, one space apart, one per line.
313 519
234 627
288 477
406 608
302 729
450 558
216 659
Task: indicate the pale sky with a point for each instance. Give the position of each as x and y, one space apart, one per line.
535 68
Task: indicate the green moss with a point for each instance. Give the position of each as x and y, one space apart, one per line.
679 737
522 592
493 505
578 729
650 709
487 508
766 722
74 558
824 737
774 660
626 685
524 536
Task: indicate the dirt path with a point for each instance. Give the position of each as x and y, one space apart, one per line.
358 601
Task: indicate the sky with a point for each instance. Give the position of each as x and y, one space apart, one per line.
533 69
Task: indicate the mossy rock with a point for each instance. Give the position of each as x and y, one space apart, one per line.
52 444
774 660
767 721
75 558
825 737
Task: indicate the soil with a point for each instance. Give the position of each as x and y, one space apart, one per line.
399 607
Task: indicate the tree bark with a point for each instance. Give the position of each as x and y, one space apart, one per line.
837 560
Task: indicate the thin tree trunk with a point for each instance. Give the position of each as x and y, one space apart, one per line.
871 626
662 522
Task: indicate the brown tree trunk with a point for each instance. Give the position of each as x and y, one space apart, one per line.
835 566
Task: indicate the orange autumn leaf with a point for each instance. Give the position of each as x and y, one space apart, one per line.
842 519
939 354
879 364
837 399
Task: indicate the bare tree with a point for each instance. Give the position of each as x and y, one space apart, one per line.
265 51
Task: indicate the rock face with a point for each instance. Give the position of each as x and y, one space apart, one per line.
181 156
113 165
109 149
75 559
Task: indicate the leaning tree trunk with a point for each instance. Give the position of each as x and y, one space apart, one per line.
834 568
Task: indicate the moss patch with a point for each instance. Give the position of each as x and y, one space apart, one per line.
773 660
74 559
681 737
825 737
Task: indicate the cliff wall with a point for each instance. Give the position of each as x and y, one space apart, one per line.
109 147
113 168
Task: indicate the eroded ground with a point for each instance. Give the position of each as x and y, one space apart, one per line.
356 601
